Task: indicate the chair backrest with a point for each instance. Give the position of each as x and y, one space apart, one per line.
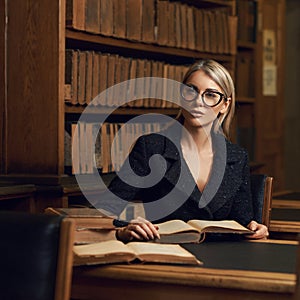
261 190
36 256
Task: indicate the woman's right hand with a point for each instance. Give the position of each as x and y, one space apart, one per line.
138 229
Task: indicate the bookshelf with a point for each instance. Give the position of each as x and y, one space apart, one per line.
269 109
260 113
173 35
34 97
40 89
247 12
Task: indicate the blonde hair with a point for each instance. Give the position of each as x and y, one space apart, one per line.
221 77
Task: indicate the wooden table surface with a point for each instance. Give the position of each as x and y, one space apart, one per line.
152 281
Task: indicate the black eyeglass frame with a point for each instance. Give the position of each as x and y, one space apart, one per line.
195 89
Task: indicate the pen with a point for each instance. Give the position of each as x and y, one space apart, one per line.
120 223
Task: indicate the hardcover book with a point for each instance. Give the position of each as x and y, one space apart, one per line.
85 217
117 252
194 231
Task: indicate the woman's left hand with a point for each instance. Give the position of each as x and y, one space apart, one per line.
261 231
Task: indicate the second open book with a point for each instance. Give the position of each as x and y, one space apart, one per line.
193 231
114 251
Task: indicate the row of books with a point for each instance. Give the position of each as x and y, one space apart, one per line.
245 130
88 73
167 23
247 18
112 144
78 146
245 74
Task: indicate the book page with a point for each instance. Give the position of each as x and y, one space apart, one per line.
142 248
101 249
174 226
223 224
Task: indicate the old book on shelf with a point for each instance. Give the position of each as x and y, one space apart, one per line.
71 75
111 71
194 231
190 27
134 20
106 17
148 21
199 31
75 149
95 74
103 76
81 77
225 32
177 30
183 20
206 32
124 76
147 83
75 14
139 88
246 11
117 252
119 12
92 16
219 34
245 86
89 77
162 17
171 25
132 84
232 25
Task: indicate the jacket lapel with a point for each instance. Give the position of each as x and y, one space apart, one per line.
231 179
178 173
224 180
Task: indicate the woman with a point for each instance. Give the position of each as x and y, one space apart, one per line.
216 169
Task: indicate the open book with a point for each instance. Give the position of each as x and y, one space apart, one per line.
117 252
193 231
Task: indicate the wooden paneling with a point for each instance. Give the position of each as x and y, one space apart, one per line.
35 72
269 109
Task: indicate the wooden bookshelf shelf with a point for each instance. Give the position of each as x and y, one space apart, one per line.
210 3
246 100
70 109
100 40
246 45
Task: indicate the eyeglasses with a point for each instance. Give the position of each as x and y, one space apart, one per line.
209 97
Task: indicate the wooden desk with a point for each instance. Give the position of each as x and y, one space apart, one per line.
184 282
285 223
17 197
286 199
285 215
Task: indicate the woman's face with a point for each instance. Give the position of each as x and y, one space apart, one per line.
195 112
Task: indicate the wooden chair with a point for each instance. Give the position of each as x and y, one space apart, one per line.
36 256
261 189
297 289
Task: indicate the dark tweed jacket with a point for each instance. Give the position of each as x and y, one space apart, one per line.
231 198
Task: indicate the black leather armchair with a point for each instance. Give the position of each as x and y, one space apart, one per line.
35 256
